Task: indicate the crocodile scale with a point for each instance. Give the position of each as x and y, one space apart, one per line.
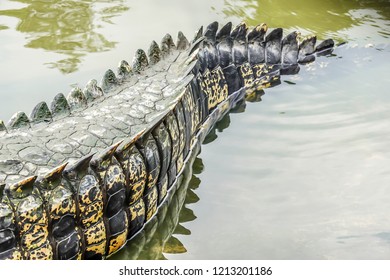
81 178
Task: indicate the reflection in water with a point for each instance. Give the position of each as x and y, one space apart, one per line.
161 235
224 123
325 18
66 27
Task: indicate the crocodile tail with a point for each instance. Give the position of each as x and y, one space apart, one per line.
27 227
60 203
234 59
88 200
10 248
89 208
112 181
2 127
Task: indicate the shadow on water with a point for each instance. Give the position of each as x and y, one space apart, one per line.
161 235
324 18
66 27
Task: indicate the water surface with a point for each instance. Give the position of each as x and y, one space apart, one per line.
303 174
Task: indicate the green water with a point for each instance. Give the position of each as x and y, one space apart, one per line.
303 174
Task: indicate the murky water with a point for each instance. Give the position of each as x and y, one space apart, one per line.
303 174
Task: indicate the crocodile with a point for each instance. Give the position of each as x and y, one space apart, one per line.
156 237
80 179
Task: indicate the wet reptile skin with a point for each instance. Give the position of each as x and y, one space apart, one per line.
77 181
119 114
